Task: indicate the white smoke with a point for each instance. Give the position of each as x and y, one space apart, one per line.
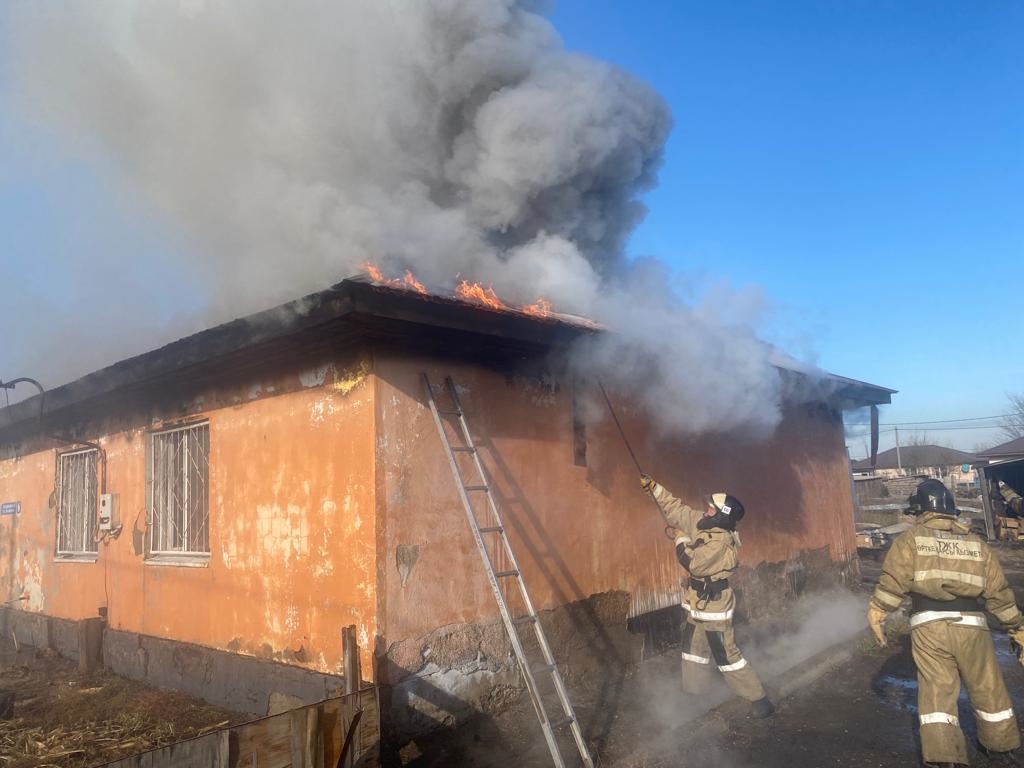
803 644
287 143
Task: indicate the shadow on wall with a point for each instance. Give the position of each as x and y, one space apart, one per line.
590 652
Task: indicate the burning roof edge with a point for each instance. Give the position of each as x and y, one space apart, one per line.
360 298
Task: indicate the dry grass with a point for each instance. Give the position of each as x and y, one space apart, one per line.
63 718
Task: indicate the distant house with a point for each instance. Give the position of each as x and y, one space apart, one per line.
953 467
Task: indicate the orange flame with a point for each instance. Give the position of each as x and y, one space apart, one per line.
539 308
375 274
409 282
412 282
476 292
465 290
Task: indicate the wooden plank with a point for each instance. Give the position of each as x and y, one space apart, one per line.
369 726
316 737
331 731
306 747
210 750
270 739
350 656
297 719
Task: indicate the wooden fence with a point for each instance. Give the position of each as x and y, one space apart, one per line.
307 737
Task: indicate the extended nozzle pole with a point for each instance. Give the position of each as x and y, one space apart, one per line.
632 455
622 432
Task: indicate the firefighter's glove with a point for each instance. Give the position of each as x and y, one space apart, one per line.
647 483
1017 643
876 620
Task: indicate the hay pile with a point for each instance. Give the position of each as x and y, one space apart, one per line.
62 718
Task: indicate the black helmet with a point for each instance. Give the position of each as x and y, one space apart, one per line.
931 496
728 511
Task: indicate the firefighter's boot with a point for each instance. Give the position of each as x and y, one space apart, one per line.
762 708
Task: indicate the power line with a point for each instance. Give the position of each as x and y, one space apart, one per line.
939 421
932 429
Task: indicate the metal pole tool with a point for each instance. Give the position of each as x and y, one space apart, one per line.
668 526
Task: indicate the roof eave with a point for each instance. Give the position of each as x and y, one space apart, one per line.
351 300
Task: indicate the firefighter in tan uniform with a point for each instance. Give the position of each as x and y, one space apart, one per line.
706 544
952 578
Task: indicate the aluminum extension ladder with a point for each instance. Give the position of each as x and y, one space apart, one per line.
567 717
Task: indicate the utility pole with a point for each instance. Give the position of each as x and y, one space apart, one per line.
899 463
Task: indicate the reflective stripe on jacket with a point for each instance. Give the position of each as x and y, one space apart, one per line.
940 559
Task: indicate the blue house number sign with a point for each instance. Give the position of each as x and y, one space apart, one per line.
10 508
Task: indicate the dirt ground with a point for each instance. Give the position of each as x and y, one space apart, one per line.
841 702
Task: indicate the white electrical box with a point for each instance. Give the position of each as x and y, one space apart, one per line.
106 516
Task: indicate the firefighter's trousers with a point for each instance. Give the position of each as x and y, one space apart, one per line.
948 651
707 643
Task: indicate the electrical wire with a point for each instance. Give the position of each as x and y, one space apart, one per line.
935 429
939 421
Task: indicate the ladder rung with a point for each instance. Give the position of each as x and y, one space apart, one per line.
540 670
463 449
492 529
444 412
560 723
504 574
524 620
475 487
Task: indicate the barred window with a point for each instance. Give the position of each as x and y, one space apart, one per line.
76 511
179 492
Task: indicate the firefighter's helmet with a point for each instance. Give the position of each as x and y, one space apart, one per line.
728 511
931 496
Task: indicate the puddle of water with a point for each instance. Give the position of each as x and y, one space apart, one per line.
901 691
891 681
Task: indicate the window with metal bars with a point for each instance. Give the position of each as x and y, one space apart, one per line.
179 492
76 510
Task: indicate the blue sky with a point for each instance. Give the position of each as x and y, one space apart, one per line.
862 164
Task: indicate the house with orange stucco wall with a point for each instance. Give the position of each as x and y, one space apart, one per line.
230 502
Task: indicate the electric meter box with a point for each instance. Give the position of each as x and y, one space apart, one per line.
106 516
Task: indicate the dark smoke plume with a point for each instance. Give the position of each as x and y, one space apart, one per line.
286 143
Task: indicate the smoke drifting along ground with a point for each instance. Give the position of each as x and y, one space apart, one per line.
812 625
287 143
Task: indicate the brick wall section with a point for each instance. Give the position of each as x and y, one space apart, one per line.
901 487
